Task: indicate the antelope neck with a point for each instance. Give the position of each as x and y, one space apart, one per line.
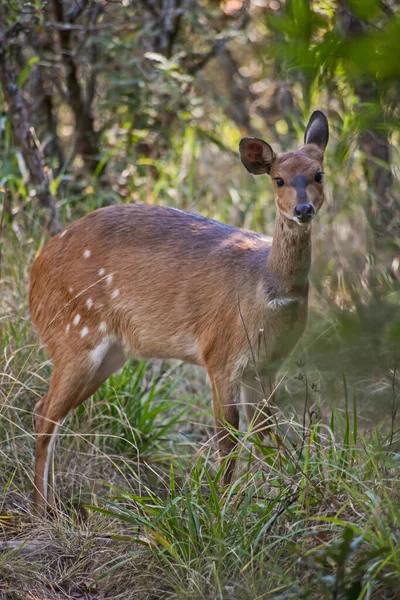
290 256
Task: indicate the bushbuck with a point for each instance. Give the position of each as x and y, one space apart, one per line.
153 282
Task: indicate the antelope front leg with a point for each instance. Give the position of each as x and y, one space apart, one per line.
226 394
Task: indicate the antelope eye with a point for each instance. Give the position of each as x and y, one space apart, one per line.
279 181
318 177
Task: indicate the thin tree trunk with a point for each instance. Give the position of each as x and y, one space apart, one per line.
42 107
24 136
165 16
88 139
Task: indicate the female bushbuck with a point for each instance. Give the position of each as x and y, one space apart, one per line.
155 282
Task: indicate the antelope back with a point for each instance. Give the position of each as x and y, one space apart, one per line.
164 281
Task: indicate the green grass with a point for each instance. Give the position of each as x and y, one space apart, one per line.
333 515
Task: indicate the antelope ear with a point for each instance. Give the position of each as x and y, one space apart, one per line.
256 155
317 131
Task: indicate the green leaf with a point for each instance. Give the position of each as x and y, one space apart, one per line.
365 9
26 70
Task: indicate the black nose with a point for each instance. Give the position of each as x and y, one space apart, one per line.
304 212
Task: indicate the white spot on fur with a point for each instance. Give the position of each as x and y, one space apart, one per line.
86 253
115 294
84 331
77 318
63 233
103 326
101 272
67 328
278 303
109 279
70 289
99 352
89 303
